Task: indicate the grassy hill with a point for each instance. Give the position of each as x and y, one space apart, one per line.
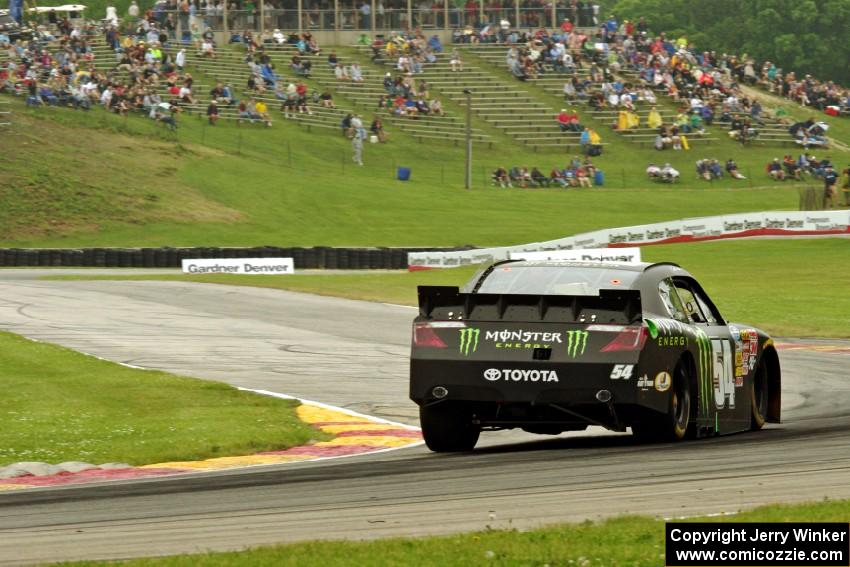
75 179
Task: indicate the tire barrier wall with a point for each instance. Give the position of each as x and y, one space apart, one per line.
777 224
304 258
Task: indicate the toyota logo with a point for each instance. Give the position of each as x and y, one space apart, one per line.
492 374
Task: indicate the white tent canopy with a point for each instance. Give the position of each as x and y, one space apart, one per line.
65 8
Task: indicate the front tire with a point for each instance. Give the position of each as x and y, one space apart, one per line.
448 428
759 397
672 425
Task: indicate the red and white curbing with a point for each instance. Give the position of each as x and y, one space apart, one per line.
354 434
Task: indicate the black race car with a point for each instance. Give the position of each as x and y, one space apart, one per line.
557 346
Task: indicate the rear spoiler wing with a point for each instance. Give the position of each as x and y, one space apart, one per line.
610 306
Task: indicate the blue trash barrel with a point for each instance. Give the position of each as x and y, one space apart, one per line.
599 178
403 173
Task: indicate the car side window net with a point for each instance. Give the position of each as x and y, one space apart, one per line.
670 299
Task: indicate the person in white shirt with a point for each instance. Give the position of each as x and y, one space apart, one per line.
356 73
106 97
111 15
133 10
180 59
653 171
669 173
341 73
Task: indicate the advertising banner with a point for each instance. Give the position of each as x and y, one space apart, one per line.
619 255
252 266
776 224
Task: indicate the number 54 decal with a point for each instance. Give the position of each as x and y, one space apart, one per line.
723 377
622 371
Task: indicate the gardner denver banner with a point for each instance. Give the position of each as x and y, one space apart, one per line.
254 266
787 224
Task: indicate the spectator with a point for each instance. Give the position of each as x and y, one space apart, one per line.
775 171
345 124
669 174
500 178
568 121
516 177
557 176
167 119
247 111
207 49
708 169
357 126
583 177
212 112
377 129
653 119
732 169
653 171
538 178
356 73
262 111
341 73
455 61
830 181
326 99
791 167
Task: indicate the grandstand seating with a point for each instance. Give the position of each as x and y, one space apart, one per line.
511 110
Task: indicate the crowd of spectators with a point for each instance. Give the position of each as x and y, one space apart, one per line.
706 85
577 173
807 166
145 78
806 91
404 94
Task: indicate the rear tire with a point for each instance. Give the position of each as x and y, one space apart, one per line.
448 428
759 397
673 425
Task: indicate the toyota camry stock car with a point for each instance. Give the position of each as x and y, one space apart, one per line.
557 346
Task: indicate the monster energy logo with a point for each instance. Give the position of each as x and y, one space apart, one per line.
468 341
705 368
576 343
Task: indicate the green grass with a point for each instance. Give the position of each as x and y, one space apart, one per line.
60 405
636 541
131 183
789 288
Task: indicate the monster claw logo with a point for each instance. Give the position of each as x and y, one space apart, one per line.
705 367
468 340
576 343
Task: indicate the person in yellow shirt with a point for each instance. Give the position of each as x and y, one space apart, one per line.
263 111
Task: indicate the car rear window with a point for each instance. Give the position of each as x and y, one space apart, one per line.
555 280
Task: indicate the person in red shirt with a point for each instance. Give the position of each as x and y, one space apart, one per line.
566 26
568 121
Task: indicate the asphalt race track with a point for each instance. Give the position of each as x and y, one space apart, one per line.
354 354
